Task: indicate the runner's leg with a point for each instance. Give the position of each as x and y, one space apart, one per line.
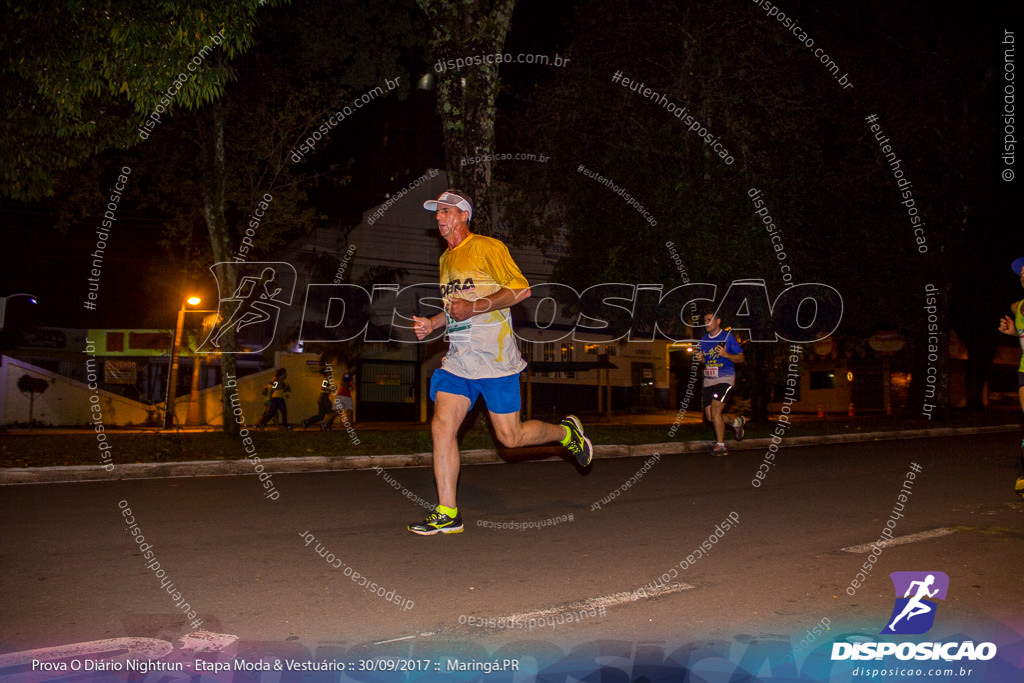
449 412
716 409
514 433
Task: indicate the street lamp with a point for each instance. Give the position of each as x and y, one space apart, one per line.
192 418
3 304
172 375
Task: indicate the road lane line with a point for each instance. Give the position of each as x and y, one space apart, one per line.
110 649
395 640
600 603
120 650
900 540
623 598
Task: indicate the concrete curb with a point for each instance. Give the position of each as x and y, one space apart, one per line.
53 475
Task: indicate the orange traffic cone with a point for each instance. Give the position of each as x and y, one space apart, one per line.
850 413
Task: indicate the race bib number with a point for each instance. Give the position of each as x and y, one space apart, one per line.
711 372
454 326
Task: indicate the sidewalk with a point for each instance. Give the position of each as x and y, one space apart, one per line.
655 417
33 475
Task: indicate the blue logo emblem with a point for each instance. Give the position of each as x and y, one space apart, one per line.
916 595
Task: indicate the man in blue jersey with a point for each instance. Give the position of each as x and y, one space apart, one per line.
719 352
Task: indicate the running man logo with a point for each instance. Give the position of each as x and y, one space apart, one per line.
914 612
261 290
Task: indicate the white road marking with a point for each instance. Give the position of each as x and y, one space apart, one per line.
600 603
604 601
205 641
395 640
900 540
109 650
120 649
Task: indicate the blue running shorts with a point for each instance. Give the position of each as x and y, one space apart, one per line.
501 394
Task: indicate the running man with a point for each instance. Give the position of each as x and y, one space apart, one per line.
915 606
276 391
343 401
323 405
342 407
253 306
1015 327
479 283
719 352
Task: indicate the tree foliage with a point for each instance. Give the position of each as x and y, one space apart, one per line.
229 147
795 133
80 77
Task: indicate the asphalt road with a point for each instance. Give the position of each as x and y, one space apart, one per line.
72 572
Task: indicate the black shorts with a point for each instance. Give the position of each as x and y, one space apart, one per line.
717 392
1020 379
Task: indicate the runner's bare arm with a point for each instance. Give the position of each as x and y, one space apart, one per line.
424 326
734 357
462 309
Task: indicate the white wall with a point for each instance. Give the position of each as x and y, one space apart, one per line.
65 402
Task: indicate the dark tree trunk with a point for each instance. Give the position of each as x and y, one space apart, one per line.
466 98
214 180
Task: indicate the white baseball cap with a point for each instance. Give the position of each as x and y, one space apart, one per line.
452 198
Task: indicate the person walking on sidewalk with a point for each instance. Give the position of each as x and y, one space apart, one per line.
719 352
1015 327
479 283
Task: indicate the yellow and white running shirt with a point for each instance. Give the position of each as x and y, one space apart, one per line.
482 346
